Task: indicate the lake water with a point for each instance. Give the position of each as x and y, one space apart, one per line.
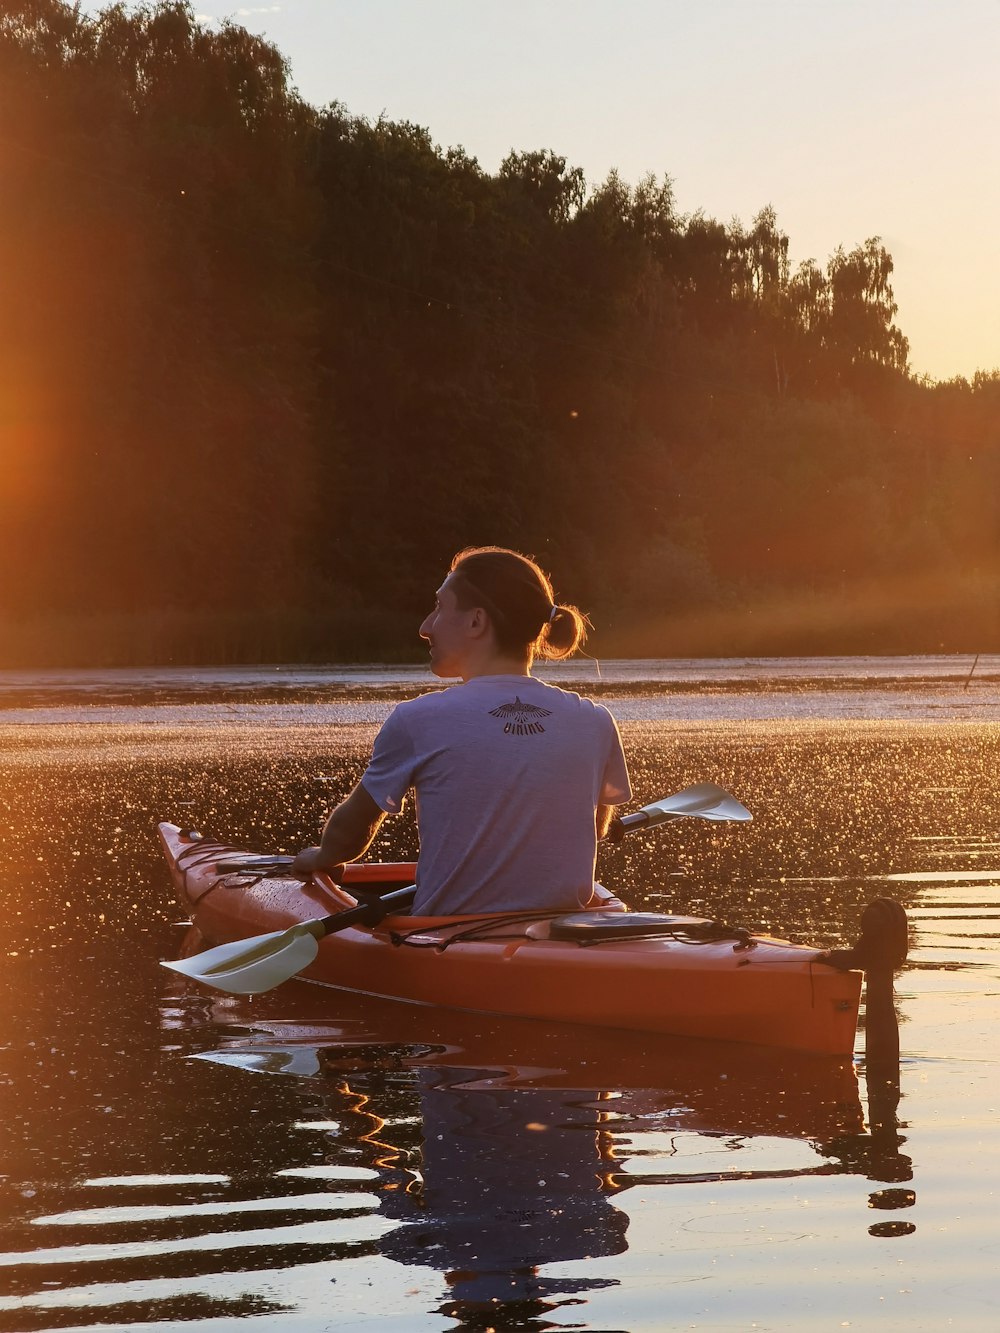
310 1160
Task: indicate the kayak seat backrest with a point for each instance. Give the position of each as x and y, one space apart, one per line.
371 893
594 927
377 876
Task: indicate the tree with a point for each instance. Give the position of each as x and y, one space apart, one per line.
542 179
860 332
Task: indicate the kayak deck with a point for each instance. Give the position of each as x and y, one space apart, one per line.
733 987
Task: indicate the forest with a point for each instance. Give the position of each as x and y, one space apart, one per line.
264 367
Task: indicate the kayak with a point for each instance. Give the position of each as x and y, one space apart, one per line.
606 968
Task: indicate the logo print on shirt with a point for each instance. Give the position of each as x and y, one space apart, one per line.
520 719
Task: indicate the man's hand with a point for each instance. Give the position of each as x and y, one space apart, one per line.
347 835
615 831
311 859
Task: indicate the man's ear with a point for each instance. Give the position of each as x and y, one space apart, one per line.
479 622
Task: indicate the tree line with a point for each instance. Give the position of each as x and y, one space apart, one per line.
265 366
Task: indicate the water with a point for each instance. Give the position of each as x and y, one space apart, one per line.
311 1160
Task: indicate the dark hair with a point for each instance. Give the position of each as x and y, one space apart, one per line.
518 598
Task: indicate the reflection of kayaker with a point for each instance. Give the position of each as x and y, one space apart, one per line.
691 1086
510 1180
501 1146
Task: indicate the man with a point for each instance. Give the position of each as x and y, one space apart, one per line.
514 779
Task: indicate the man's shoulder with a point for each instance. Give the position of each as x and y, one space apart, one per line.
435 707
568 698
422 704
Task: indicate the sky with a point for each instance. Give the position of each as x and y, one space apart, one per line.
852 118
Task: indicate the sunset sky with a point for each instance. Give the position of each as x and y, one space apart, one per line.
853 118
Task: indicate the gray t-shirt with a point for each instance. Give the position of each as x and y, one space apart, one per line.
508 773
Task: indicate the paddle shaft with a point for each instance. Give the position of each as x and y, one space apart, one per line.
643 817
368 913
254 965
646 819
373 911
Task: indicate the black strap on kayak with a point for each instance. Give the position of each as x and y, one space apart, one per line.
230 863
201 852
242 871
482 928
590 928
585 929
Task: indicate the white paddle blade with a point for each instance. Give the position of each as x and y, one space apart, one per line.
249 967
704 801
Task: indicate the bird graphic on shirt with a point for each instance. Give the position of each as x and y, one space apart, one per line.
521 719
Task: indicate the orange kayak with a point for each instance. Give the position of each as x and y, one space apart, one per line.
609 969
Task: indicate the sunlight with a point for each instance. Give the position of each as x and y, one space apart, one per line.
27 440
881 615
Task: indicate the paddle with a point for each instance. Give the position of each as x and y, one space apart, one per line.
704 801
248 967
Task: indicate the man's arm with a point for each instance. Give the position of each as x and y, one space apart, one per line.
605 814
347 834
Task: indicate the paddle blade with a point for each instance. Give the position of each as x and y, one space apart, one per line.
249 967
703 801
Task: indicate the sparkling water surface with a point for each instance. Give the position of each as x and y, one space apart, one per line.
313 1160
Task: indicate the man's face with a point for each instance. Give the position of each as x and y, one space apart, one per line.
447 630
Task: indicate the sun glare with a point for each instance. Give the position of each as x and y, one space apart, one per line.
876 611
26 442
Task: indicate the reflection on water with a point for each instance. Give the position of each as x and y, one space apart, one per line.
500 1148
313 1160
482 1151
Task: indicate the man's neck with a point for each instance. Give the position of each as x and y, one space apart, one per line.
496 664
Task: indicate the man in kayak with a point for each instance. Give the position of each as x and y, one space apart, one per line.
514 779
